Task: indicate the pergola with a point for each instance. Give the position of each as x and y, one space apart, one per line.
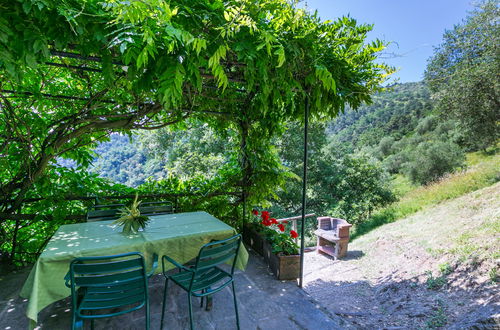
146 65
208 84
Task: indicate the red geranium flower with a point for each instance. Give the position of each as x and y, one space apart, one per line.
265 215
266 222
255 212
273 220
294 234
281 227
285 221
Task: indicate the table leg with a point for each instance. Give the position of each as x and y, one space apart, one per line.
209 303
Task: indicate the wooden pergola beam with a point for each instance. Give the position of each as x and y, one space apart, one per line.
56 96
77 56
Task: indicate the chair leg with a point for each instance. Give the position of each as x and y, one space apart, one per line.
147 315
201 298
77 323
91 324
190 311
209 303
164 302
236 308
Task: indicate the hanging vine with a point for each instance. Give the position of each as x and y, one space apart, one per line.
72 72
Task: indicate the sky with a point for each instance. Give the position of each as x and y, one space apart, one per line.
413 27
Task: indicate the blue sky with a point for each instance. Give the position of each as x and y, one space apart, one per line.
414 26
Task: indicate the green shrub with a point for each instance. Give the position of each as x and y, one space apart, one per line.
432 160
435 283
394 163
30 236
354 186
425 125
438 318
385 145
445 269
493 273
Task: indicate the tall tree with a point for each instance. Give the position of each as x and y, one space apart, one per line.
463 76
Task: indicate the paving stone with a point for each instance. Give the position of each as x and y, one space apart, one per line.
263 303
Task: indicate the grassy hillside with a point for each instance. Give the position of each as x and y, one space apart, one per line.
482 171
436 268
461 228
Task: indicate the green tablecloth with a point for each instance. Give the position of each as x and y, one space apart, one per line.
179 236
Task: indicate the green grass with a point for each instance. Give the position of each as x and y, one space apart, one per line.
477 241
445 269
455 237
401 185
482 171
435 283
493 273
438 318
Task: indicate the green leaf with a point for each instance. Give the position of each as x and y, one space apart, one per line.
27 6
280 52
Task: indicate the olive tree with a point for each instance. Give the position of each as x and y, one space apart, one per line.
463 76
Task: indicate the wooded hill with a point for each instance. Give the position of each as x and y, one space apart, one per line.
395 113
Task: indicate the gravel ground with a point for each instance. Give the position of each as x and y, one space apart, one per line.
431 270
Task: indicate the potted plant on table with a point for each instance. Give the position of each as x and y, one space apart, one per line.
131 218
278 247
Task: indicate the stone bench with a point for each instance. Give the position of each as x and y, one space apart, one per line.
333 236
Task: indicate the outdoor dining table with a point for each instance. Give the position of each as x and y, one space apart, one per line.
179 235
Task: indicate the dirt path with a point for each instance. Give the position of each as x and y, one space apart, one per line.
434 269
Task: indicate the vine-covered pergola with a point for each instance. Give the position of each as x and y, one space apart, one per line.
73 72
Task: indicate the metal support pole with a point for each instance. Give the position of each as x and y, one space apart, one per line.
304 186
244 215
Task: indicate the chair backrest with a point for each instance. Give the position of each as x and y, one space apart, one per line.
325 223
111 281
339 226
156 208
104 212
218 252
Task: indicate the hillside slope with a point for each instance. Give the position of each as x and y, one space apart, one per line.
435 268
395 112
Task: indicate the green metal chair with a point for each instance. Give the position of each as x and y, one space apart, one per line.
205 277
156 208
108 282
104 212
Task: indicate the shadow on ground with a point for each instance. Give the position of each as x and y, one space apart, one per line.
395 303
353 255
330 301
264 303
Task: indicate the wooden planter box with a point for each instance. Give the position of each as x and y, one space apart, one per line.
253 240
283 267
